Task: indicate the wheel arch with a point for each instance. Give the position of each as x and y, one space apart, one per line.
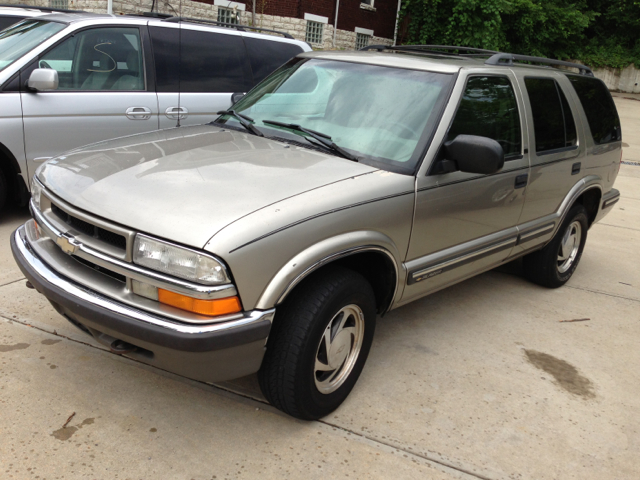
374 256
18 190
587 192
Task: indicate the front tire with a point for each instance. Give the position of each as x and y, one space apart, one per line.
4 190
554 265
319 343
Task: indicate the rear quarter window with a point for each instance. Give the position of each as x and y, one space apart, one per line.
599 108
266 56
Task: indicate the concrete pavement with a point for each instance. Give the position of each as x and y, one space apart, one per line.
487 379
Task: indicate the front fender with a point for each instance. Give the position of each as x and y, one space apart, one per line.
324 252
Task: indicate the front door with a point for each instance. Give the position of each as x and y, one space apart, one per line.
102 94
465 223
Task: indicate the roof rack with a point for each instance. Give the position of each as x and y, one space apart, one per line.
242 28
431 49
507 59
495 58
42 9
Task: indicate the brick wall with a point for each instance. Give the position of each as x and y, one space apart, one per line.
290 23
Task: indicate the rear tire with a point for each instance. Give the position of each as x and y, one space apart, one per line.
554 265
319 343
3 189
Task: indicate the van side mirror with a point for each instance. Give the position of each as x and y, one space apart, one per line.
42 79
475 154
236 96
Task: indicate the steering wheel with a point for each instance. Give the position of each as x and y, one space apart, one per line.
43 64
401 128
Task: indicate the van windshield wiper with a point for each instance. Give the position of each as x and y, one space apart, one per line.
323 139
244 121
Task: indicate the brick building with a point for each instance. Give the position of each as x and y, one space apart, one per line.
360 22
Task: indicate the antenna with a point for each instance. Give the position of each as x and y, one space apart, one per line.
179 64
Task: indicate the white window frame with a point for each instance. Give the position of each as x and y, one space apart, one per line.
366 2
227 4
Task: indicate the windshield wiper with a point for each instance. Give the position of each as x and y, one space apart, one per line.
244 121
323 139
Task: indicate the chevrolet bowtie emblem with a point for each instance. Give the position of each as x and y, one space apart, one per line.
67 245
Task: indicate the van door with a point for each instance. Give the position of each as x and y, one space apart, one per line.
465 223
199 81
104 92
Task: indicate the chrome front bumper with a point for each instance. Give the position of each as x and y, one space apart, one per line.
208 352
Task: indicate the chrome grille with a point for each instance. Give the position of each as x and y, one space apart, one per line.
87 228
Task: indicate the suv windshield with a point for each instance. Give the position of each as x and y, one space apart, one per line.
383 116
19 39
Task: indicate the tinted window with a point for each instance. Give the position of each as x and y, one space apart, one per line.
552 118
599 108
166 52
6 21
213 62
266 55
98 59
488 109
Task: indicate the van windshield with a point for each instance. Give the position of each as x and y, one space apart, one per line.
382 116
23 37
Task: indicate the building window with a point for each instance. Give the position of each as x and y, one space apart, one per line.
362 40
367 2
314 32
61 4
227 15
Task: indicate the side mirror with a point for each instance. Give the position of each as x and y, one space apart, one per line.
236 96
475 154
42 79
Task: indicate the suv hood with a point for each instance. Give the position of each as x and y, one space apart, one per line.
186 184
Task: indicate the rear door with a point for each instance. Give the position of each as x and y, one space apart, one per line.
104 92
198 69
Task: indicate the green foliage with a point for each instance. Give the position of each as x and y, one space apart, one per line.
598 32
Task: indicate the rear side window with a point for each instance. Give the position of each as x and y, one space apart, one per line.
213 62
166 55
489 109
599 108
199 62
7 21
266 55
553 122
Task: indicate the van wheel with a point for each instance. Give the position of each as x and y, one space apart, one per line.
3 189
553 266
319 343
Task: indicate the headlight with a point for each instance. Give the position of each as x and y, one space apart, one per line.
36 192
178 261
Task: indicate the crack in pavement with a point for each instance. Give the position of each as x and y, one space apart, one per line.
421 456
13 281
618 226
603 293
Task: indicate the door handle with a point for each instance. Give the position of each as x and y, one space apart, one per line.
138 113
521 180
175 113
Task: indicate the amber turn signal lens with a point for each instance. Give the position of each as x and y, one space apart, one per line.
211 308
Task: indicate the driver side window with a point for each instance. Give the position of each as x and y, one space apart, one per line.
489 109
101 59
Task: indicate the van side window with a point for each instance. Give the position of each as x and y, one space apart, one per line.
213 62
266 55
100 59
553 122
599 108
166 55
489 109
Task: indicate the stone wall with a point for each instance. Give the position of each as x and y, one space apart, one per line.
620 80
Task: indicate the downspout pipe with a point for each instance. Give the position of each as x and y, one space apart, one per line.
109 7
395 31
335 23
